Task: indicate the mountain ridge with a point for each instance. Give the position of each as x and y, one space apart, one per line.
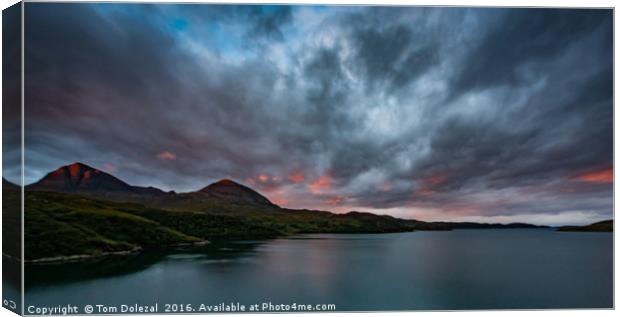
228 190
84 179
79 177
83 211
223 194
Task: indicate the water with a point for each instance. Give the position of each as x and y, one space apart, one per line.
461 269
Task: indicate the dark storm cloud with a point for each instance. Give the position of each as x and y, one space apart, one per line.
11 93
393 56
522 38
431 112
80 63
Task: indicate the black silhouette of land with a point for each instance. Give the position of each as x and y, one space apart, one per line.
601 226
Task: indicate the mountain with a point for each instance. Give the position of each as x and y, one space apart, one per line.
601 226
79 210
85 180
79 177
234 193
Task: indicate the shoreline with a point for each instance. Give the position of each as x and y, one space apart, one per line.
80 257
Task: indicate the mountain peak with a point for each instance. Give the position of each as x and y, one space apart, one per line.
79 177
226 182
233 192
79 165
76 169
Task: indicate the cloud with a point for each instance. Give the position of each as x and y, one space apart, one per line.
515 43
321 184
392 57
418 112
600 176
110 168
11 94
166 156
297 177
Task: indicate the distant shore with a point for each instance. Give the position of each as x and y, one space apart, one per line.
601 226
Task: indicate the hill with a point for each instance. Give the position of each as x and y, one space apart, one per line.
62 225
82 179
234 193
79 177
601 226
81 211
65 224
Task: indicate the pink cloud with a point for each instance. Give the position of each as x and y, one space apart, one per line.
297 177
601 176
336 200
167 156
322 183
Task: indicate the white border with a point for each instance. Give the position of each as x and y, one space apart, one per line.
479 3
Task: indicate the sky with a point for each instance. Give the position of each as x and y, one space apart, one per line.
461 114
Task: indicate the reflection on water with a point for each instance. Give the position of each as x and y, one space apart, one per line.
461 269
113 266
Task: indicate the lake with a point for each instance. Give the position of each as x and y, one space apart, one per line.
459 269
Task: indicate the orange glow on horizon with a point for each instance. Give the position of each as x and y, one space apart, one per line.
263 177
277 196
280 201
602 176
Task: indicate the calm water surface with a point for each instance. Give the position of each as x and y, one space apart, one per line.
461 269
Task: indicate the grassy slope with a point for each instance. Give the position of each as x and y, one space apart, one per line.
269 222
59 224
64 225
601 226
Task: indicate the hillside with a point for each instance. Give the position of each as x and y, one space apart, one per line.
601 226
79 210
234 193
58 224
62 224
